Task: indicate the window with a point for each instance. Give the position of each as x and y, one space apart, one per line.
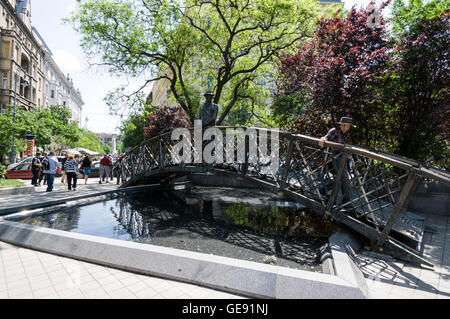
4 80
6 49
52 94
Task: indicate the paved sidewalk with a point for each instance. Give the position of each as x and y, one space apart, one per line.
26 273
393 279
29 274
59 193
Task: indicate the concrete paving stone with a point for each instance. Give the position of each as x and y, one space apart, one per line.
119 274
122 294
130 280
35 269
29 259
86 278
44 292
100 274
197 292
53 274
171 293
420 294
12 276
71 294
17 283
38 276
137 286
161 286
151 281
59 279
184 296
65 286
54 266
147 294
93 285
21 295
112 286
92 268
106 280
37 285
18 290
98 293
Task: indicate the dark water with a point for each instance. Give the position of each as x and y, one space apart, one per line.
280 236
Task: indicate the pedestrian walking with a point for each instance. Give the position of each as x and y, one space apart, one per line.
337 135
35 169
86 166
71 168
42 174
50 164
64 175
111 170
105 164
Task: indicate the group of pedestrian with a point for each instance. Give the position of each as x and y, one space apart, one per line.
45 167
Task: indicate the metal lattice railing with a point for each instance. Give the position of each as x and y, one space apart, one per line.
368 190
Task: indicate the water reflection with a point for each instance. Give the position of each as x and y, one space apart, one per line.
281 236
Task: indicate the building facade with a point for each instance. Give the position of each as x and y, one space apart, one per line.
22 57
58 88
110 139
27 68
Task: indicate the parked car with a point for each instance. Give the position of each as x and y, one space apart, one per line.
25 160
21 171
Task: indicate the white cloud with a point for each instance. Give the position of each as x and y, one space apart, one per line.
66 61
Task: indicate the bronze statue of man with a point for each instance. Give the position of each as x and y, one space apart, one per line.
208 111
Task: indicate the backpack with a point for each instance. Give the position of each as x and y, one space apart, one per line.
45 164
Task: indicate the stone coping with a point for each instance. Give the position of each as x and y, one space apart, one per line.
17 190
341 278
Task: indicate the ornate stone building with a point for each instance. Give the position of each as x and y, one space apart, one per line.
22 57
27 68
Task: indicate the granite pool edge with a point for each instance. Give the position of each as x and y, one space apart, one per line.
242 277
341 278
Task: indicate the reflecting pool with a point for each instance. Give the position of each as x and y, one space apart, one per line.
285 236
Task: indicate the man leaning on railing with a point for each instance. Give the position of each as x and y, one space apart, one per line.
337 135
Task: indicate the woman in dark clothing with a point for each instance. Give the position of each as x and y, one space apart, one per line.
86 165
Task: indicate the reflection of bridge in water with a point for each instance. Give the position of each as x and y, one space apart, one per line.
158 221
380 185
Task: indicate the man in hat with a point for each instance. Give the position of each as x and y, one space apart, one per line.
337 135
208 111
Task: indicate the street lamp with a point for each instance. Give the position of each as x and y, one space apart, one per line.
13 150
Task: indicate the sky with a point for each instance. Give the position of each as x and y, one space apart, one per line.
94 84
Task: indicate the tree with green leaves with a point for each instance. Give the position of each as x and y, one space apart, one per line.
222 44
406 15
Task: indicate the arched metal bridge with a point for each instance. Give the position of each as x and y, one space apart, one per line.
367 190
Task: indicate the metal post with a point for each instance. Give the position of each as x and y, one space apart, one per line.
408 190
245 168
13 150
287 163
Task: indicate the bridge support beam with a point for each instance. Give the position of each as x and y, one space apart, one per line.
408 190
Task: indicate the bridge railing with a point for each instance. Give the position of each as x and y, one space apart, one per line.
367 185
